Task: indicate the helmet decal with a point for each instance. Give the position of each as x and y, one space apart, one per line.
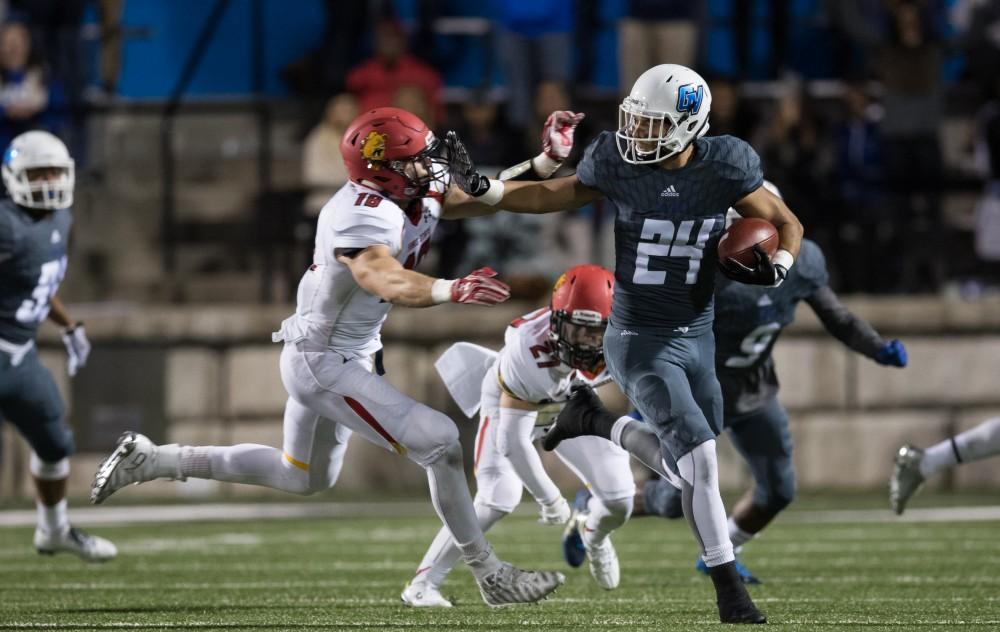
559 282
689 98
373 147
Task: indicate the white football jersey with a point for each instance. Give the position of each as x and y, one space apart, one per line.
332 309
528 369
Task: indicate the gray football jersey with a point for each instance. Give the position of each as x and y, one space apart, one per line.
32 265
748 320
667 226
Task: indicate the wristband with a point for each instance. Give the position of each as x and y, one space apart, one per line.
784 259
493 195
544 165
441 291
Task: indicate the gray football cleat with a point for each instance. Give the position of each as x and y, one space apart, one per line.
906 478
509 585
76 541
133 461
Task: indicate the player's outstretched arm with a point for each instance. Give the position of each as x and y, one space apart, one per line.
473 194
855 332
379 273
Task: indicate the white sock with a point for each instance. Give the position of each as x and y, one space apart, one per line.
603 518
702 503
738 536
972 445
940 456
52 519
453 504
443 553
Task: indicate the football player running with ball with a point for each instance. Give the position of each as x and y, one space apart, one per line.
671 186
748 321
34 233
370 236
520 392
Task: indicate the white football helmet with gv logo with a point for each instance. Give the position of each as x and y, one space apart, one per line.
38 171
666 110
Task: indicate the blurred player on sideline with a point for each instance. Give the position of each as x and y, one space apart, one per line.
518 393
671 186
913 466
371 235
35 222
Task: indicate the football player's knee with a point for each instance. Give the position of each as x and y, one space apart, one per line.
782 491
699 467
501 492
620 510
440 434
45 470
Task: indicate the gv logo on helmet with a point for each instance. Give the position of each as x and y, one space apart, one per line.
373 147
689 98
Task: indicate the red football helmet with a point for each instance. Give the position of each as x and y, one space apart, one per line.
394 151
581 304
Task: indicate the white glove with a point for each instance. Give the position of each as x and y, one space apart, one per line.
77 347
554 513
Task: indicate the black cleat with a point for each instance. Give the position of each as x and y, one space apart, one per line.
742 611
583 414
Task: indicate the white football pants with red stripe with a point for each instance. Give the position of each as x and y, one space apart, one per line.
329 390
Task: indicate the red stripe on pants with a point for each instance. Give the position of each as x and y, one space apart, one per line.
362 412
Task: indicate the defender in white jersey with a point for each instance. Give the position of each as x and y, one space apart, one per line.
370 236
523 389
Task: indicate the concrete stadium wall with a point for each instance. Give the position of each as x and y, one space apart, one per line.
219 384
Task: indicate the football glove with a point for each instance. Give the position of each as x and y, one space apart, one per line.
480 288
557 134
892 353
764 273
555 513
463 172
77 347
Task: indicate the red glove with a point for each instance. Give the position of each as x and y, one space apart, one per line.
480 288
557 134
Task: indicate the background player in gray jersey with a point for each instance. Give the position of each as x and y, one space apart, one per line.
748 321
34 230
671 187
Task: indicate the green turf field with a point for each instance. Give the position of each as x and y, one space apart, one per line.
346 574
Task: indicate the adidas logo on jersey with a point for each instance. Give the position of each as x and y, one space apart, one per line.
670 191
55 237
764 301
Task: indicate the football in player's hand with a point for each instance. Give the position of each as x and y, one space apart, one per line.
739 239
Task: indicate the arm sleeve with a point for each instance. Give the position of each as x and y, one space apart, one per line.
362 226
514 442
855 332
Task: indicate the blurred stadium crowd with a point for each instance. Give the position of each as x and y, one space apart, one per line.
879 120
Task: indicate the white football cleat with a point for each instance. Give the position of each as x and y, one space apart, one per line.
510 585
133 461
604 564
420 594
88 547
906 479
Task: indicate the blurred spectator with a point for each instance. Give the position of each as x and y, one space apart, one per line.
655 32
535 45
910 69
485 136
28 97
789 143
988 208
323 170
730 114
864 225
978 22
412 99
377 80
857 28
744 26
321 72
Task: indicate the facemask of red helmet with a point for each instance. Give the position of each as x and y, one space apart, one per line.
581 304
394 151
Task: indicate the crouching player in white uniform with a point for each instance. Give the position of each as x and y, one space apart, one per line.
370 236
544 353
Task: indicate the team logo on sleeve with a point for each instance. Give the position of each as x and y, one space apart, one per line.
689 98
373 148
